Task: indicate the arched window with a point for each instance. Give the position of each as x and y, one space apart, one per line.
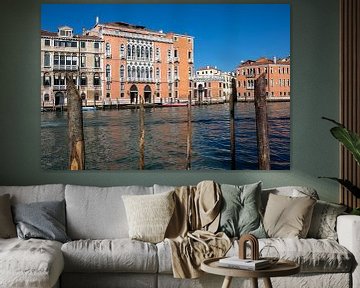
157 73
122 73
96 80
129 72
138 52
47 79
175 72
83 79
108 50
142 73
169 74
122 51
133 72
150 53
147 75
157 53
47 59
83 96
133 52
138 73
129 50
142 53
151 73
108 72
147 56
46 97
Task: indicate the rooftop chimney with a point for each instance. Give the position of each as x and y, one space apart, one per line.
97 20
274 60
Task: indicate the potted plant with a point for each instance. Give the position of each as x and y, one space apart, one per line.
351 141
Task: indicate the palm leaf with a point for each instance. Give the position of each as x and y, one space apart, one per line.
348 185
348 138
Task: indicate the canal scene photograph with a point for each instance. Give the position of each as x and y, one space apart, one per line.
165 87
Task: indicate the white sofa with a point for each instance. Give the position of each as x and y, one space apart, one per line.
101 254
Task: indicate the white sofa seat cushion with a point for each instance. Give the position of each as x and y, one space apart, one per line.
116 255
313 255
30 263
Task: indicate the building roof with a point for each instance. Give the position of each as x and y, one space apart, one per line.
208 68
48 33
129 27
45 33
264 60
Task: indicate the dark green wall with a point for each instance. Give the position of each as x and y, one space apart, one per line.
315 59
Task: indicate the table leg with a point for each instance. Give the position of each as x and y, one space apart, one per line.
227 282
254 282
267 283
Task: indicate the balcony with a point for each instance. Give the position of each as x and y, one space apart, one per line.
109 56
176 59
191 61
250 75
65 67
59 87
143 80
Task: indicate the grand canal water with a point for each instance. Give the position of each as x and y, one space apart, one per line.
111 138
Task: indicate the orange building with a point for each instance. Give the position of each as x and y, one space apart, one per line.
212 85
142 62
277 78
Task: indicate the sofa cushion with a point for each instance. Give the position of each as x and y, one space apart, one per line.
35 193
117 255
149 215
313 255
43 220
240 210
323 222
287 216
7 226
291 191
98 213
30 263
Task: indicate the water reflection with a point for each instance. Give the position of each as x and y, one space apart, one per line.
111 138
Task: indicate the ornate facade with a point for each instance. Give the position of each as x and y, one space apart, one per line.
82 56
141 62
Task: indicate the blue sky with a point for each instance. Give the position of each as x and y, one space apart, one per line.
225 34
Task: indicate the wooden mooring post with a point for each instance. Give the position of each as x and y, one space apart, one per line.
189 135
142 134
232 125
75 126
262 123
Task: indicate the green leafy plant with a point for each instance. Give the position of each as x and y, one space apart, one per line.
351 141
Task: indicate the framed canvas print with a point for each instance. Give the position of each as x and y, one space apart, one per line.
142 87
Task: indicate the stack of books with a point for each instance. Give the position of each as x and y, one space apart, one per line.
248 264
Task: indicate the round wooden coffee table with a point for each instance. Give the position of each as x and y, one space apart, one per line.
281 268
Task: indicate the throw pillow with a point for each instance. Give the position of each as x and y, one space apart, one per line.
44 220
149 215
287 217
240 213
7 226
323 222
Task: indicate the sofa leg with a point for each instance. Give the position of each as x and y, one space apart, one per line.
227 282
267 282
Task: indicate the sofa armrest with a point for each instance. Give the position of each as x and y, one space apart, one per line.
348 230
